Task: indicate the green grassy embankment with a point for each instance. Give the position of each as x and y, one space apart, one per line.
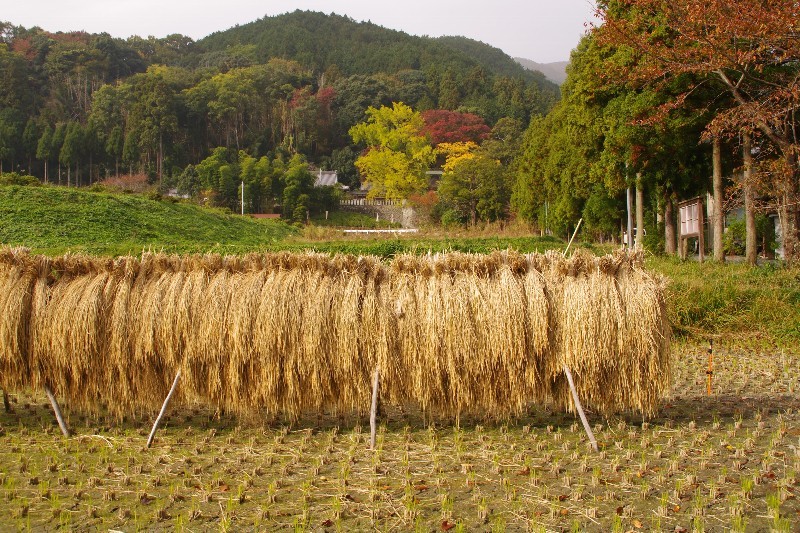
751 307
55 220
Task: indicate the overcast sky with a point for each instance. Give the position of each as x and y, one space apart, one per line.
541 30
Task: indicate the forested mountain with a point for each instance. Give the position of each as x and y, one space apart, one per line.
555 72
319 41
77 107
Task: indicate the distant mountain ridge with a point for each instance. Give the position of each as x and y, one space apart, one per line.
555 72
318 40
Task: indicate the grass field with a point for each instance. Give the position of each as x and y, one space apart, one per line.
729 461
55 220
752 308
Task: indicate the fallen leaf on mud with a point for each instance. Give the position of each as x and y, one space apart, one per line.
620 509
224 487
562 497
637 524
679 529
676 508
564 512
524 472
421 487
327 523
447 526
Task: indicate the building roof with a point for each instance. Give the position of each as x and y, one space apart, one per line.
326 178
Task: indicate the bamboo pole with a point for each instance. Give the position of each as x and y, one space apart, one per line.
579 408
373 412
163 409
57 411
573 237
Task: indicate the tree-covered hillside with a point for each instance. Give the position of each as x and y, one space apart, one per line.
319 41
76 107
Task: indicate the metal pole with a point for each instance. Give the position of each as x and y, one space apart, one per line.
710 371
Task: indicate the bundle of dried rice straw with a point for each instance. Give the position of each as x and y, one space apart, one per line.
292 333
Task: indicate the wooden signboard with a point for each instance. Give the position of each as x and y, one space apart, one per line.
691 221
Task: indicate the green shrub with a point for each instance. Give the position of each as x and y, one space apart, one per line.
12 178
734 239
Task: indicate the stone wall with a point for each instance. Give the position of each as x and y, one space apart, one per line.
392 211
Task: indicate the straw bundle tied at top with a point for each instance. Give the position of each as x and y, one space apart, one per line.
292 333
17 278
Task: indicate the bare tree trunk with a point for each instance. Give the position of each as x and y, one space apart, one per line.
629 202
639 211
669 226
160 162
790 212
719 226
750 245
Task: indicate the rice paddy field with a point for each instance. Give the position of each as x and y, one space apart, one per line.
728 461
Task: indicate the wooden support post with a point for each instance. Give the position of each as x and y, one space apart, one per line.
373 412
57 411
6 403
163 409
579 408
573 237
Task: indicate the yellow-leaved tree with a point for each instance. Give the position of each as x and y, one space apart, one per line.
456 153
397 154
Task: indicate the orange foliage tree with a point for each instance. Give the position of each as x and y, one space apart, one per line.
749 49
